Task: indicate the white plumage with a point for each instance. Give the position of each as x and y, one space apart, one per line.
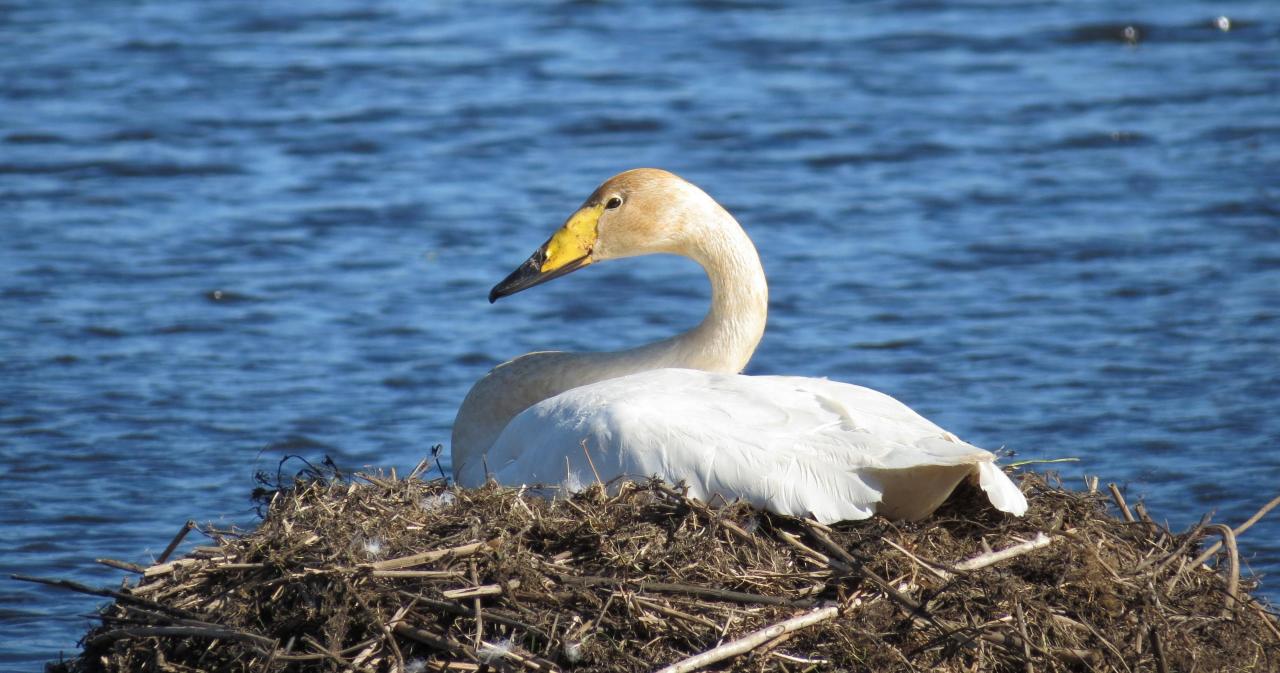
678 410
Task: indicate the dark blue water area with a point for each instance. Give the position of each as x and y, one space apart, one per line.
234 233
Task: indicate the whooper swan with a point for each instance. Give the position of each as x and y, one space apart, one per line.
679 410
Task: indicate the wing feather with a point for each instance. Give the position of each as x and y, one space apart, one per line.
792 445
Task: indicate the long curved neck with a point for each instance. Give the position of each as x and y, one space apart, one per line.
727 337
723 342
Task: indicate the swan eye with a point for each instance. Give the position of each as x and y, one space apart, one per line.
612 203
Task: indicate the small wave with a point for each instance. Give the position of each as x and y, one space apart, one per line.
1102 140
34 138
609 125
1116 33
299 443
122 169
889 345
104 332
912 152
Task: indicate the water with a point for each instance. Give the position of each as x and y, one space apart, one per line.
236 233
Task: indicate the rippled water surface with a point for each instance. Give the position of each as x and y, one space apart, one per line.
234 233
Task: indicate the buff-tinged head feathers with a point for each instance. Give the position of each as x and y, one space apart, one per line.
642 211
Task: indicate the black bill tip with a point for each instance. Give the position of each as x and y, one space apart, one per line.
530 273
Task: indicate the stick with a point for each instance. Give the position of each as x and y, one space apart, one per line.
456 648
937 572
168 567
477 592
1162 665
991 558
1026 640
177 540
672 612
812 553
1267 618
476 602
915 609
751 641
1208 553
420 574
590 462
691 589
431 556
1233 569
219 633
491 614
121 565
1124 507
1192 536
108 593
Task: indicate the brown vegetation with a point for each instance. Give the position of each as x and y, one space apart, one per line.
378 573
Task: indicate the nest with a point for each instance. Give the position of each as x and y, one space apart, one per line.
379 573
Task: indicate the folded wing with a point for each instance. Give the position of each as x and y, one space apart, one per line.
792 445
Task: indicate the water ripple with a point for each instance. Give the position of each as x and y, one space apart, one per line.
237 234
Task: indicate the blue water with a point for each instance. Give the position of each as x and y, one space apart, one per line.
233 233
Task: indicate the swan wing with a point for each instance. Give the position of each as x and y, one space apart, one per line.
793 445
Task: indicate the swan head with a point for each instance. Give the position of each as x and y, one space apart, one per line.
643 211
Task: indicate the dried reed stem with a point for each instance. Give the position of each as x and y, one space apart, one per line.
1238 531
991 558
750 641
1119 498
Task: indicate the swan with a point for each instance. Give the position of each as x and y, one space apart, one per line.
680 410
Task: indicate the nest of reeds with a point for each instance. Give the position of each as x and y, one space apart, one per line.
379 573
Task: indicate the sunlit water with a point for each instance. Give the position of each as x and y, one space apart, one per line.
233 234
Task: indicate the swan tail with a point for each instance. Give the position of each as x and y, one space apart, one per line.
1004 494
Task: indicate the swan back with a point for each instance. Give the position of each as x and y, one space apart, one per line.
792 445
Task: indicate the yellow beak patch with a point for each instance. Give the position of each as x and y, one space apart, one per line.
574 240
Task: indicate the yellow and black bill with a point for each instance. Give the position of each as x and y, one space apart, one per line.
568 250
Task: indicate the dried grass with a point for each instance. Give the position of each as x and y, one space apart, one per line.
377 573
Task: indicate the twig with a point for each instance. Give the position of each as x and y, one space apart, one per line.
1233 569
1064 654
177 540
440 642
449 645
937 572
418 574
750 641
476 603
1026 640
431 556
691 589
799 660
1267 618
493 615
813 553
672 612
121 565
1238 531
984 560
1119 498
1192 536
850 563
1162 665
108 593
590 462
1039 461
214 633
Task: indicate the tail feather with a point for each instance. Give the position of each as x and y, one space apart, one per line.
1004 494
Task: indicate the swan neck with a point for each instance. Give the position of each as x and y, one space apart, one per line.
727 337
